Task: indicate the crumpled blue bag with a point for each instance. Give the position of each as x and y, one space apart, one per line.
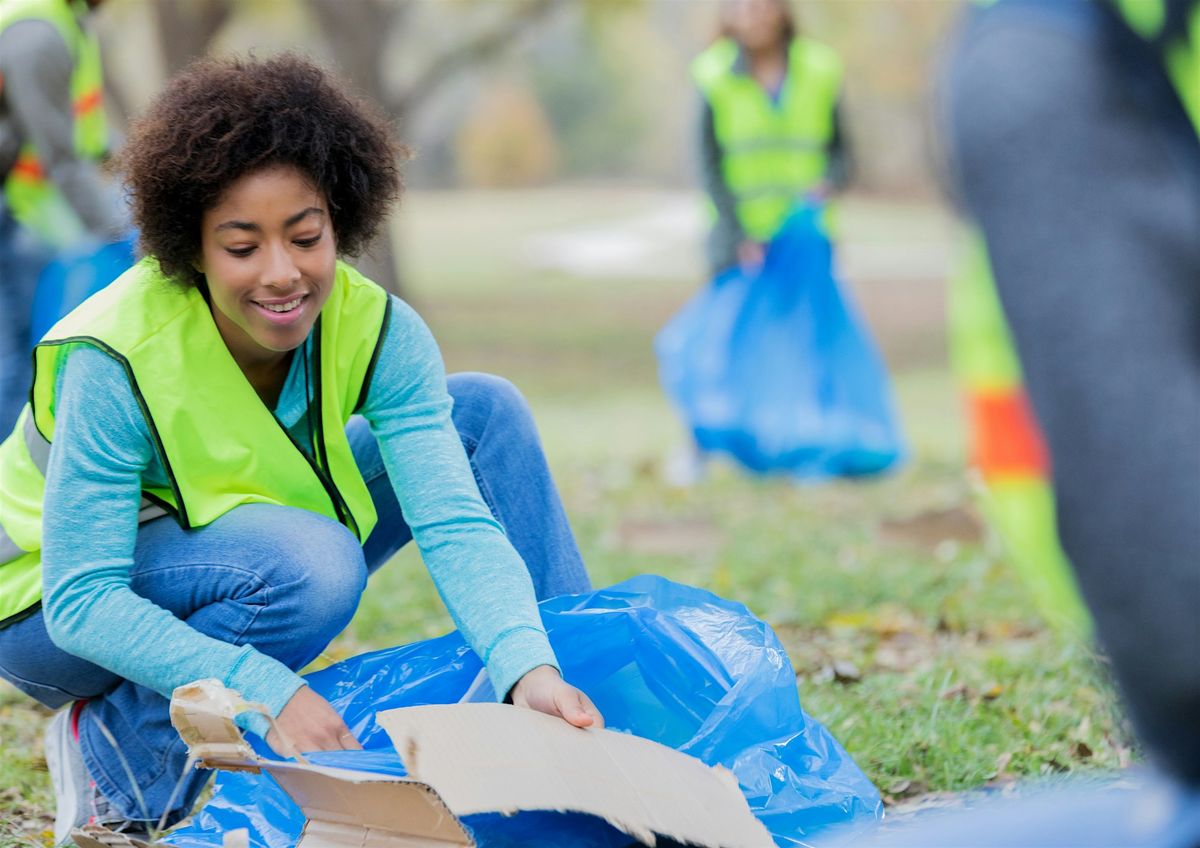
776 369
661 660
75 275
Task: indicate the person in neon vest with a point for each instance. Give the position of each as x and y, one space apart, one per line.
53 136
770 126
1073 133
222 445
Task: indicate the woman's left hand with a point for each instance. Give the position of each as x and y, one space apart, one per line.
544 690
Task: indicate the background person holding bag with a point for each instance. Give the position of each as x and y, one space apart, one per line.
770 127
770 363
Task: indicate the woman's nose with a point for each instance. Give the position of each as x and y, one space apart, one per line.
280 270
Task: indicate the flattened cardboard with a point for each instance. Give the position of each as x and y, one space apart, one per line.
345 807
473 758
498 758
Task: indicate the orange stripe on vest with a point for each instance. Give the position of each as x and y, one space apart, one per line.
88 101
1008 440
28 168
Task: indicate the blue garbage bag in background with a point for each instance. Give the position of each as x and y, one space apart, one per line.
776 369
661 660
75 275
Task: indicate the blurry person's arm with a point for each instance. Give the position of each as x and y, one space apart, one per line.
727 244
37 68
841 155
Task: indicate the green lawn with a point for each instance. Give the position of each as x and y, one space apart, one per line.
910 637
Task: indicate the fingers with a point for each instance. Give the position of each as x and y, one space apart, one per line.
575 708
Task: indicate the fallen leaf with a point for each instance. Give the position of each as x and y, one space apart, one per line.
958 690
1081 750
993 692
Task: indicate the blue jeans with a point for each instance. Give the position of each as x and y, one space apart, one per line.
287 601
22 258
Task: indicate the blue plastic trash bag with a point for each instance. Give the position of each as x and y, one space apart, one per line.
776 369
664 661
74 276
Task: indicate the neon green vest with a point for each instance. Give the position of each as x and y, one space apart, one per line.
1182 57
771 153
217 442
33 199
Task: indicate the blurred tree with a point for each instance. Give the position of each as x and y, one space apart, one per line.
366 39
506 141
187 27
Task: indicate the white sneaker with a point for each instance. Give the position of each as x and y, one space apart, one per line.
683 467
77 800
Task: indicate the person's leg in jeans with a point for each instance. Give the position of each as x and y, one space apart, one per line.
285 580
261 575
22 259
1082 170
502 443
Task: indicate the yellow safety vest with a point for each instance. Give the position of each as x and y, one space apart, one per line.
1007 445
218 444
772 153
34 200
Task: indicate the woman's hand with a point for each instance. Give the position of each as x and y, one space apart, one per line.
544 690
751 255
311 725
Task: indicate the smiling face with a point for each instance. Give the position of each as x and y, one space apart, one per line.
268 252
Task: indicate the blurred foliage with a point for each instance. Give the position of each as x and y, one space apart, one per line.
506 141
611 75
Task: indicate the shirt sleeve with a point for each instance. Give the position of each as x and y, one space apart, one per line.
841 154
101 448
480 576
37 69
726 232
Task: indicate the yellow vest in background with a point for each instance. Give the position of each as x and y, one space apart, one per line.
218 444
772 153
34 200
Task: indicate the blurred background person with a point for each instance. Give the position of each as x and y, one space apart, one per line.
1073 133
53 137
770 128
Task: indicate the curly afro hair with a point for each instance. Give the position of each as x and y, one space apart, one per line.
222 118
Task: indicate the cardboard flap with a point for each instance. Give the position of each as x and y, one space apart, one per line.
498 758
203 713
407 811
344 807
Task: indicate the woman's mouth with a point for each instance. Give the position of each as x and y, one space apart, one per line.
282 311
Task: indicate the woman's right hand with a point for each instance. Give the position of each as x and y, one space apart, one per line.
311 724
751 255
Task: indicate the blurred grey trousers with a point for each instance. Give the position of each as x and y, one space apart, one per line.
1073 154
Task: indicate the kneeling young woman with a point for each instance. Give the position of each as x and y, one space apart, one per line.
225 443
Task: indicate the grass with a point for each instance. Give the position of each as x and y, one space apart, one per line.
911 638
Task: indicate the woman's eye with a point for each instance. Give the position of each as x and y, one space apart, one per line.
239 251
308 242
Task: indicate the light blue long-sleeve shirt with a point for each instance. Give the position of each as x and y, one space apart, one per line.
102 456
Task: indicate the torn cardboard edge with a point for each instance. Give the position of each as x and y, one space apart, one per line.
464 759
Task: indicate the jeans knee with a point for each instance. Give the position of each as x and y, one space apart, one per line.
482 400
318 573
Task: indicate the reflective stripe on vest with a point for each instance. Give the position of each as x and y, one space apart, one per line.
33 199
218 444
772 153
